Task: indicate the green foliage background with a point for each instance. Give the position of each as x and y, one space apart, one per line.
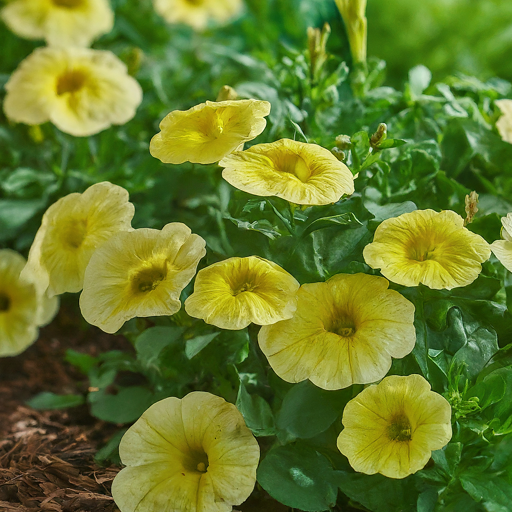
442 144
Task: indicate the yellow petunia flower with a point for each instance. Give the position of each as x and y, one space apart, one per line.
188 455
208 132
22 307
197 13
298 172
345 331
81 91
71 230
139 273
235 292
427 247
504 124
502 249
392 427
60 22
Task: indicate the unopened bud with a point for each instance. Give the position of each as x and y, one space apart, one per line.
338 153
353 13
133 59
471 207
379 136
317 41
35 133
227 93
343 142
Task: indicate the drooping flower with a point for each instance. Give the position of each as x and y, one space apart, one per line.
298 172
392 427
197 13
427 247
233 293
81 91
345 331
502 249
190 455
504 124
207 132
60 22
139 273
22 307
71 230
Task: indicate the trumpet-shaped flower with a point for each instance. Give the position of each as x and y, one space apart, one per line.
300 173
235 292
197 13
502 249
22 307
71 230
188 455
427 247
504 123
81 91
392 427
208 132
345 331
139 273
60 22
353 13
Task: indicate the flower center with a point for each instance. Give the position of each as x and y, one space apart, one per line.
217 126
197 462
295 164
71 81
68 4
245 287
148 279
343 326
399 428
5 302
74 233
194 2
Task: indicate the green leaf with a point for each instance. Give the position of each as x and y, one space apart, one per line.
256 412
195 345
419 79
124 407
391 143
489 391
47 400
299 477
390 210
494 491
342 219
84 362
308 410
110 452
150 343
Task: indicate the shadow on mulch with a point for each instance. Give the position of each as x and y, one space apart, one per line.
47 457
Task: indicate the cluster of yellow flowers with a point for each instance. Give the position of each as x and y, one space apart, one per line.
196 453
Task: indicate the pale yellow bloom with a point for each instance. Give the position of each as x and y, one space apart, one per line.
80 91
392 427
139 273
22 307
345 331
235 292
197 13
298 172
353 13
427 247
189 455
504 123
60 22
502 249
71 230
207 132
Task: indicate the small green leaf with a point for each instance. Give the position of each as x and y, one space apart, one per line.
419 79
195 345
84 362
47 400
256 412
150 343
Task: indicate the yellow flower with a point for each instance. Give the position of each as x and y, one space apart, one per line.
504 124
300 173
207 132
392 427
427 247
81 91
139 273
353 13
71 230
22 307
60 22
197 13
502 249
188 455
235 292
345 332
